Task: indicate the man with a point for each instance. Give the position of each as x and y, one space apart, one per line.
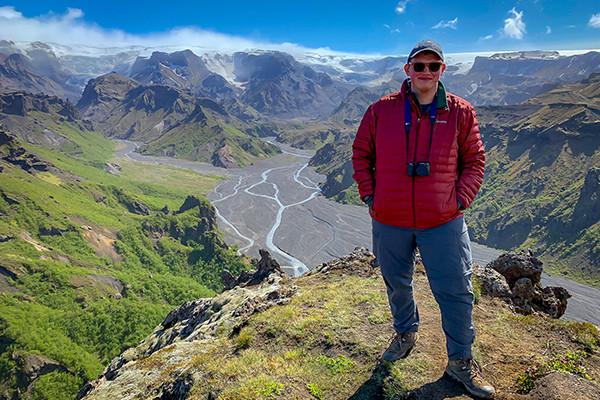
419 162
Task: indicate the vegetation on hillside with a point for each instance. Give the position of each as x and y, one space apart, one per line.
84 277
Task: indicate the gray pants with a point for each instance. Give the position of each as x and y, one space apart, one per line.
446 254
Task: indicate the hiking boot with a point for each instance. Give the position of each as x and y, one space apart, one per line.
468 372
401 346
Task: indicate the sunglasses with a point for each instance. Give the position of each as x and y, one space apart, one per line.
420 66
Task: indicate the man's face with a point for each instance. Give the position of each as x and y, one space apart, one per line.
426 80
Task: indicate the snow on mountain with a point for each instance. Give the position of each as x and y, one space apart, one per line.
86 62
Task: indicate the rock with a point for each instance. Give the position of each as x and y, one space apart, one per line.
9 200
53 231
561 386
178 389
522 272
359 262
137 207
514 266
32 366
553 301
189 203
492 283
224 157
113 168
186 329
264 268
522 294
165 210
13 153
6 238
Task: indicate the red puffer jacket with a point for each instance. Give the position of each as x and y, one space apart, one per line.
380 158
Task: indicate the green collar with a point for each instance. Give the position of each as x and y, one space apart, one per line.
441 102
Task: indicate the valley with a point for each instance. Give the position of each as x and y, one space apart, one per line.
275 205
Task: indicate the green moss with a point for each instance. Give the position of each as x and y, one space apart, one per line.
315 391
569 362
244 338
476 288
337 365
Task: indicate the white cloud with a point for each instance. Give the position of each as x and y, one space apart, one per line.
594 21
446 24
548 30
73 13
514 27
401 6
486 37
9 12
392 30
70 29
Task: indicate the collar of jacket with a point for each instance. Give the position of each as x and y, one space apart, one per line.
442 101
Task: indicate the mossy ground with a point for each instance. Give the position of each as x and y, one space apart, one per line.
326 342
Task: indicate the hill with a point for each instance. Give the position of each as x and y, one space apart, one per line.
170 121
94 251
320 336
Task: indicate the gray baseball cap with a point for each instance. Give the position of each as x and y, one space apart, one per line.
426 45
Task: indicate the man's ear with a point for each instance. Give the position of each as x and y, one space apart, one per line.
406 66
443 68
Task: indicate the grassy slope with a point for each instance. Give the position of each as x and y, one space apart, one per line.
325 344
527 201
192 143
83 326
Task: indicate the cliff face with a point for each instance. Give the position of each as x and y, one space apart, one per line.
541 174
321 335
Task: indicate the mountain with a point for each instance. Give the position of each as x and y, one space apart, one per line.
321 336
36 70
94 251
511 78
181 69
275 84
17 73
171 122
30 117
544 166
67 67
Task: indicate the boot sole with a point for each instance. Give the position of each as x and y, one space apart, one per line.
479 396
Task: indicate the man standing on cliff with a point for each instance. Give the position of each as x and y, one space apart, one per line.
419 162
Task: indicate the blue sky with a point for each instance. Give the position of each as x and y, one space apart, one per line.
364 27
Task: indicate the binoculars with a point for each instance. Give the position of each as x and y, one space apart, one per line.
418 168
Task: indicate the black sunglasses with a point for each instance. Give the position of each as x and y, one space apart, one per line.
433 66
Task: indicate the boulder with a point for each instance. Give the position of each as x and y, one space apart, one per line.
189 203
32 366
6 238
113 168
523 272
560 386
264 267
137 207
514 266
492 283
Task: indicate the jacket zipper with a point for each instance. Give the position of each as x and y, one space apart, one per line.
414 209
